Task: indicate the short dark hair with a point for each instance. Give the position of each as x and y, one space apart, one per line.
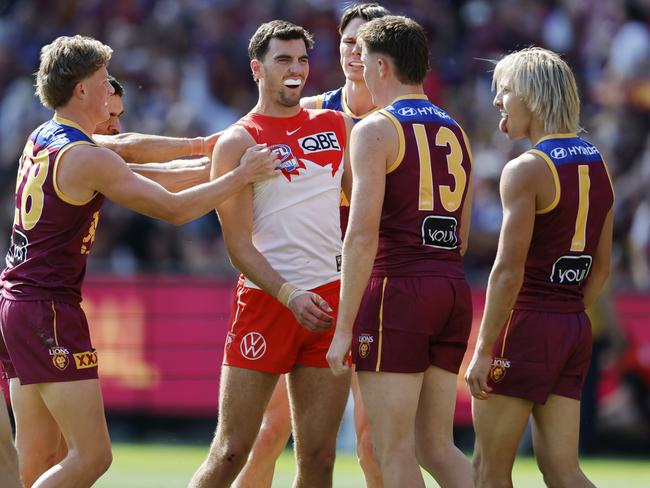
404 40
117 86
280 29
365 11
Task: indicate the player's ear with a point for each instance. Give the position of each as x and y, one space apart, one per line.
383 65
79 90
256 69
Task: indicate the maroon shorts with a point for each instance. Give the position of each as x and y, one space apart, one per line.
541 353
45 341
406 324
265 336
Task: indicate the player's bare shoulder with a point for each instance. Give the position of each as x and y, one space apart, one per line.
526 173
377 129
229 148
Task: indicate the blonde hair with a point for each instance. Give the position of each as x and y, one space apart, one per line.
545 83
64 63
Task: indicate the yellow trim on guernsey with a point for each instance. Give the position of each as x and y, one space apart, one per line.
58 191
319 101
567 135
402 140
61 120
556 181
349 112
381 324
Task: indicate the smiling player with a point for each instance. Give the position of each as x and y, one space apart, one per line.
285 239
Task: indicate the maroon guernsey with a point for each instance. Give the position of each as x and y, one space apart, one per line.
566 234
426 187
52 234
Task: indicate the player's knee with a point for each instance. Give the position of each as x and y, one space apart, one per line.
273 437
318 459
231 454
96 462
558 476
487 475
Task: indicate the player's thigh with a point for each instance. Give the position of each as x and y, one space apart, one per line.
243 397
499 423
435 414
556 428
391 401
78 409
318 400
36 428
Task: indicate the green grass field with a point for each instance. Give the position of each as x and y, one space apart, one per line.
169 466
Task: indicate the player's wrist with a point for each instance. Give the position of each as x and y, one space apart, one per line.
197 146
283 293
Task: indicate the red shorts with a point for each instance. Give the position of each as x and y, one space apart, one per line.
45 341
541 353
406 324
265 336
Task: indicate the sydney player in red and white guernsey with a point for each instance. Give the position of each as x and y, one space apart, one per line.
553 258
402 262
63 177
285 239
352 98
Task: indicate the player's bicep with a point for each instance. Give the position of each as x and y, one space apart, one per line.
109 175
518 200
235 213
368 162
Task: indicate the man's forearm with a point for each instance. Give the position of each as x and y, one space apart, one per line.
146 148
176 175
358 259
252 264
503 288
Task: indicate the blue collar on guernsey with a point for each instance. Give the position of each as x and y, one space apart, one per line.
568 149
417 108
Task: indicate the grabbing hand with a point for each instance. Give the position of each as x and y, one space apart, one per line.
259 163
311 311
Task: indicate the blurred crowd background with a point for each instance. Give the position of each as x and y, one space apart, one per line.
185 69
184 66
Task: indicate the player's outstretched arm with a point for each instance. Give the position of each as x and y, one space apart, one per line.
145 148
601 265
518 192
373 143
85 168
176 175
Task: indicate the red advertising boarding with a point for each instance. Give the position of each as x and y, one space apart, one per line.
160 342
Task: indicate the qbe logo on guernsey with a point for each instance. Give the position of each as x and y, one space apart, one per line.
323 141
253 346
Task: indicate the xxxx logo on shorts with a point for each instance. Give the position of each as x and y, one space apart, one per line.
85 360
253 346
499 368
364 344
60 357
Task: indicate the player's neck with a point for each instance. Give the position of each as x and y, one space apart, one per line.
78 116
397 90
537 131
274 109
357 97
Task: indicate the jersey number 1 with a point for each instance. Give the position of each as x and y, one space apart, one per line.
579 236
451 199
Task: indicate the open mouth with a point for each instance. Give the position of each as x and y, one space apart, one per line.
503 123
355 64
292 82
